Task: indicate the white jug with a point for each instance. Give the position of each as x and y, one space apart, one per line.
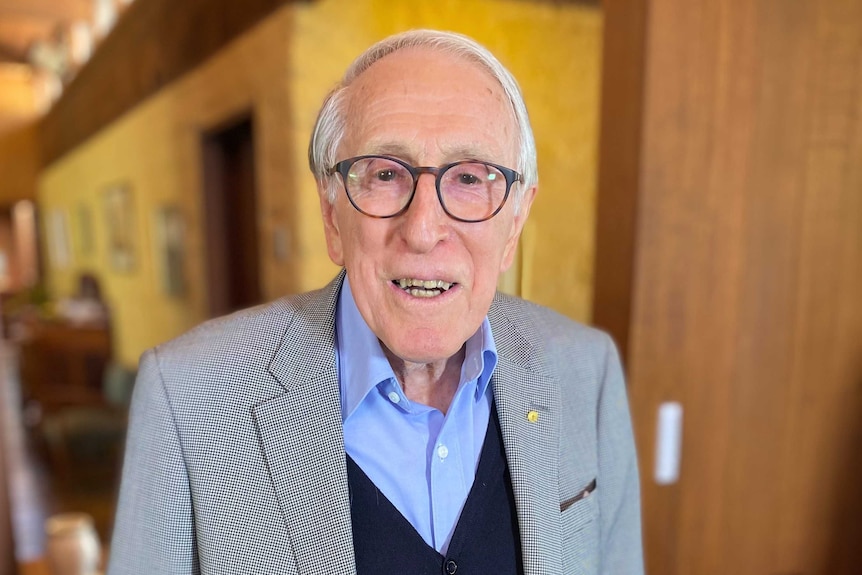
72 545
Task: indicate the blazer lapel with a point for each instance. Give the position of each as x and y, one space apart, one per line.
303 444
528 408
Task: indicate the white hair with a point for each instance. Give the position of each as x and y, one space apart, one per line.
332 118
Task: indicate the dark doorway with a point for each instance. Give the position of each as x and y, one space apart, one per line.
230 209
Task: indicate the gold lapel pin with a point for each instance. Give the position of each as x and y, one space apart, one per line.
532 416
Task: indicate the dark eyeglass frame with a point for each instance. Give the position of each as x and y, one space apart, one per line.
343 168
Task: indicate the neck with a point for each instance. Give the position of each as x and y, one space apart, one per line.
433 384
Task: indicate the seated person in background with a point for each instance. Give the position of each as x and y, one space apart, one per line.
86 307
405 419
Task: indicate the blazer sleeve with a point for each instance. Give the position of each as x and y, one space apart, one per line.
621 548
154 532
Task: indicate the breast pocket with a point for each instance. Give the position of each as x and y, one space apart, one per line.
580 530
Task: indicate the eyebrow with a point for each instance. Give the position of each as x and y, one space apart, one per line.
453 153
391 149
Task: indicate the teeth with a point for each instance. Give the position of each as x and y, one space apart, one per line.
423 293
423 288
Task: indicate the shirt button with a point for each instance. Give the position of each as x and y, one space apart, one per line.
451 567
394 397
442 452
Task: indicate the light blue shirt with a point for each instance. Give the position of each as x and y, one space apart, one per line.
424 462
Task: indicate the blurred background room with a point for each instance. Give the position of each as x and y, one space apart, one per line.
700 198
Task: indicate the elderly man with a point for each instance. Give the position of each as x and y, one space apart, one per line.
406 419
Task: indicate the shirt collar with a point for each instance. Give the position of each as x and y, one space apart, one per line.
362 364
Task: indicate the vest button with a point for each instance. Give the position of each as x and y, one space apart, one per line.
451 567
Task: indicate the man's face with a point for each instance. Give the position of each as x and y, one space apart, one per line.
428 109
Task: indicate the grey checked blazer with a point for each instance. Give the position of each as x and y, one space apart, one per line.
235 457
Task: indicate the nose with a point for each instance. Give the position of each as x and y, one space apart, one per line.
424 224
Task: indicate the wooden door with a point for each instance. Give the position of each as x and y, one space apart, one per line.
230 208
729 268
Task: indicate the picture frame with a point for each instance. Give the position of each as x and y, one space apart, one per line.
84 237
169 235
120 226
57 229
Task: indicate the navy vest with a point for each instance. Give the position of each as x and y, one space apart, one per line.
486 539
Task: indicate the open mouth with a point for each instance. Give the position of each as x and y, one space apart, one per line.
423 288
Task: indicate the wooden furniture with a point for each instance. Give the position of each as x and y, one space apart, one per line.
62 367
64 364
7 543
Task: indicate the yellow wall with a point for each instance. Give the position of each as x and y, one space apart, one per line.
554 49
156 150
281 70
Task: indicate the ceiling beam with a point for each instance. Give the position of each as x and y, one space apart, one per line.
154 43
11 53
54 10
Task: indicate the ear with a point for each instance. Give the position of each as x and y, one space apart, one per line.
517 226
328 210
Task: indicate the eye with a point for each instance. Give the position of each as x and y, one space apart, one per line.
468 179
386 175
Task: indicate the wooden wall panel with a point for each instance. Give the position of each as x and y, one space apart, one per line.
745 298
154 42
824 424
19 163
7 544
619 165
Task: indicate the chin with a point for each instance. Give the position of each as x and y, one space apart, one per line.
424 352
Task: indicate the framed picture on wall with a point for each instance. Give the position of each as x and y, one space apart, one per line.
120 220
59 252
170 250
84 237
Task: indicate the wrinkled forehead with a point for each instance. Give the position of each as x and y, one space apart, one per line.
435 88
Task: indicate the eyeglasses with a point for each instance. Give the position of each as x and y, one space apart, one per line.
383 187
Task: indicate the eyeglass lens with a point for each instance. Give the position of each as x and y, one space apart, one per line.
382 187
